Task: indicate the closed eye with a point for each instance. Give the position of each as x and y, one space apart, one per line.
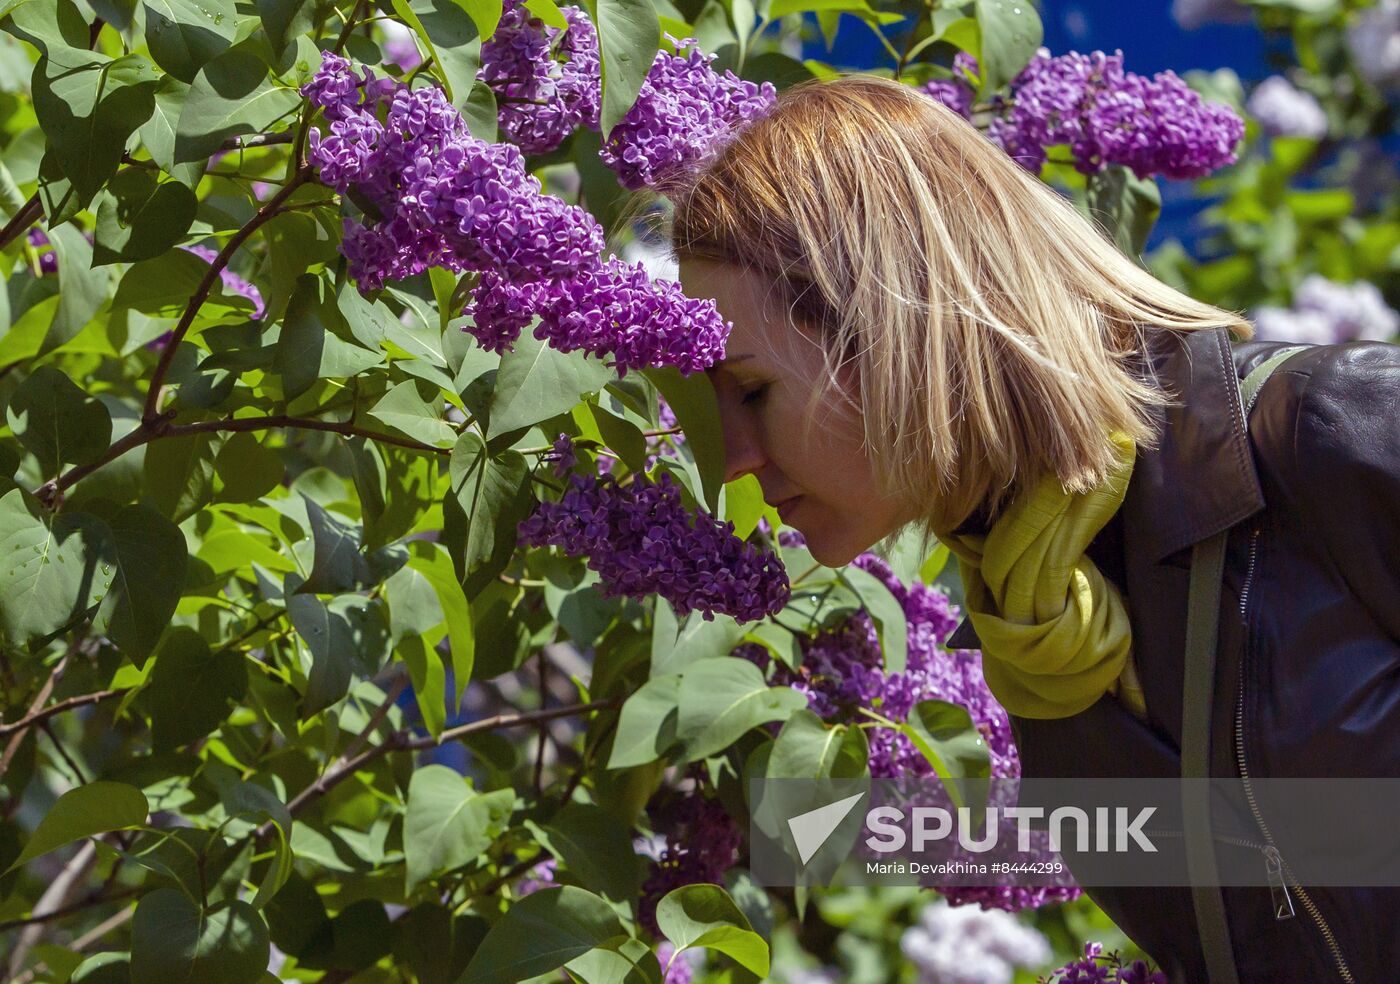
755 394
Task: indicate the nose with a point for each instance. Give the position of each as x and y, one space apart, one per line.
743 445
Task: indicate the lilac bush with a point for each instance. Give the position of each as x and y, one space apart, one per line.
684 114
232 282
642 540
1325 312
701 843
547 82
1097 967
965 945
1283 110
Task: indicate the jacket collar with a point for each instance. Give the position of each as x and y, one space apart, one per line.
1201 478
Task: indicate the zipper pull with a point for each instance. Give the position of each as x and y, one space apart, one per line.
1273 867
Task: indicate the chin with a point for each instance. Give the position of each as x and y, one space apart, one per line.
829 553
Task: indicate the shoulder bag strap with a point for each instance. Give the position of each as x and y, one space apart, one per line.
1202 625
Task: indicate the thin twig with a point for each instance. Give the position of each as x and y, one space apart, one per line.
91 901
21 221
38 702
38 716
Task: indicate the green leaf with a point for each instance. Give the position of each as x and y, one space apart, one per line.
139 218
158 132
184 34
448 823
888 614
1125 206
403 409
149 574
490 496
191 688
93 808
341 636
283 20
247 468
629 34
82 290
452 37
49 574
337 565
807 748
58 422
627 962
174 941
705 916
692 399
1011 33
429 679
433 563
48 25
307 351
744 505
162 287
594 848
945 735
646 726
699 638
88 105
540 933
103 968
536 382
480 113
179 475
722 698
229 97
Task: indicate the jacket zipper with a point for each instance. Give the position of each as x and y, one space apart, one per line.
1278 870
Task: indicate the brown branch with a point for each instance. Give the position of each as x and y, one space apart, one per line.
403 740
150 413
39 716
20 222
34 706
91 901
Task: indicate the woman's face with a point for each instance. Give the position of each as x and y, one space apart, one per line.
823 483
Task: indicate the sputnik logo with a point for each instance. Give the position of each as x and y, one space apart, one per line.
812 829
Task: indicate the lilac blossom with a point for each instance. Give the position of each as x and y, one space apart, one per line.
682 968
48 259
1325 312
547 82
642 540
842 670
563 455
1191 14
1374 40
1286 111
614 310
958 92
399 46
684 114
538 877
964 945
1097 967
232 282
442 197
1106 115
701 844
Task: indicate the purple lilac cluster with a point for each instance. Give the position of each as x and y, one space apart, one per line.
683 114
48 259
842 670
538 877
682 968
1325 312
702 843
958 92
642 540
232 282
965 944
1097 967
547 81
1106 115
614 309
443 197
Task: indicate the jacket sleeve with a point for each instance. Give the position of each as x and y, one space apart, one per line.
1347 452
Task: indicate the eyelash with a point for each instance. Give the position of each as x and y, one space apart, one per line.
754 395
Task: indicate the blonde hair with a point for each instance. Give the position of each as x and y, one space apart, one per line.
997 335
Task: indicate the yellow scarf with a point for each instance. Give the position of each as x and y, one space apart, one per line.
1055 632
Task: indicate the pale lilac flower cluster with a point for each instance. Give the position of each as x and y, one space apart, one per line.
682 969
1097 967
232 282
547 82
443 197
965 945
399 46
614 309
1325 312
642 540
684 113
958 92
538 877
1283 110
1374 40
1191 14
1106 115
702 843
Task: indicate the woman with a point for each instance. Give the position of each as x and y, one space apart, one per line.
926 334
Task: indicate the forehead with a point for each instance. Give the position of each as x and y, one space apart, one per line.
748 299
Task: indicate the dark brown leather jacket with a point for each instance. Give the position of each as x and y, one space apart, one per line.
1308 664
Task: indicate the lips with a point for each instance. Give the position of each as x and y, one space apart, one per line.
786 507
